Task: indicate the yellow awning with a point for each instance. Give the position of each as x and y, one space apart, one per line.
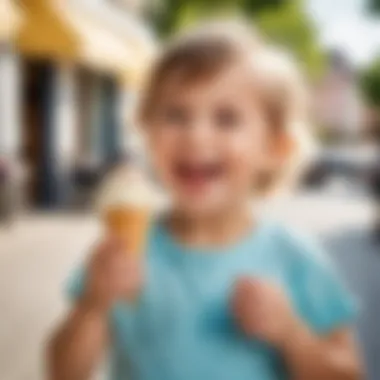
57 31
136 73
145 52
99 47
44 34
10 19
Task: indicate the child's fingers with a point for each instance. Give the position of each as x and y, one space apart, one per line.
112 269
248 288
106 251
118 262
112 244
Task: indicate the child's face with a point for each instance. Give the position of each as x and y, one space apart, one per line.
208 141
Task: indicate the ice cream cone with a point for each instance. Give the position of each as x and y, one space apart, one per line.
130 225
125 203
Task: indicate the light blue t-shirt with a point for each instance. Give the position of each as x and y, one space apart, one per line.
181 328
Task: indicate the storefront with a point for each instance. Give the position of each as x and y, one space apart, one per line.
99 117
72 80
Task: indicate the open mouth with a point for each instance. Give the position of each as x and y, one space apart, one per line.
198 175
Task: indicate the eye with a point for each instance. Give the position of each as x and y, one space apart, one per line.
175 115
227 118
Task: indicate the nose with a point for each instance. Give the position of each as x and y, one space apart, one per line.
200 133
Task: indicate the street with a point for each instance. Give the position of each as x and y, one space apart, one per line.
39 252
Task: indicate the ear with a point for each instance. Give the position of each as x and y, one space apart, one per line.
284 146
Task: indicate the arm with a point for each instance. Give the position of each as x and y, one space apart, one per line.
332 357
78 344
322 346
263 311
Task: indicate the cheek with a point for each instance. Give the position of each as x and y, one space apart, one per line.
247 151
162 146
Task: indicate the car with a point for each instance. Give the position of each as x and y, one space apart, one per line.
350 163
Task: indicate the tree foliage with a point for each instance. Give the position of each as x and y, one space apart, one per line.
374 6
168 16
291 27
370 83
370 77
284 21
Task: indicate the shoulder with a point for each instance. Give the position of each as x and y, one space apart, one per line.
296 248
319 292
306 262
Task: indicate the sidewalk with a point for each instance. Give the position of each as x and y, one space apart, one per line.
35 257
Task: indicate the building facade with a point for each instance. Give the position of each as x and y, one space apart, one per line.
338 107
66 70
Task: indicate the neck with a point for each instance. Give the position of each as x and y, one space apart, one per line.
211 229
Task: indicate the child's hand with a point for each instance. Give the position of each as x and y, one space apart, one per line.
112 275
262 310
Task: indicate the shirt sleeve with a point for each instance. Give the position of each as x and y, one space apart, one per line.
322 298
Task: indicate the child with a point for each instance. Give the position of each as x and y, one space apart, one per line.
222 294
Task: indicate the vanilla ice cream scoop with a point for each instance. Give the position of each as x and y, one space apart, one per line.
126 187
125 203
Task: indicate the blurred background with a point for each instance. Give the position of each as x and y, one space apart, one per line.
70 75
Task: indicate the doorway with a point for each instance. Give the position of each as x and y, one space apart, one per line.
37 150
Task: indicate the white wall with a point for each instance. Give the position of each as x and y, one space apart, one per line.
65 115
9 104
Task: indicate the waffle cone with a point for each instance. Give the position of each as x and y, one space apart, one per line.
130 225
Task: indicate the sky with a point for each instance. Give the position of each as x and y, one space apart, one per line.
345 25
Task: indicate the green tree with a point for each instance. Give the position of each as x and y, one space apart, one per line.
284 21
370 77
168 16
374 6
290 26
370 83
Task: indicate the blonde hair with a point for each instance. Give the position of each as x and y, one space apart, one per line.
206 51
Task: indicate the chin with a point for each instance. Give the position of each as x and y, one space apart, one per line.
202 207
